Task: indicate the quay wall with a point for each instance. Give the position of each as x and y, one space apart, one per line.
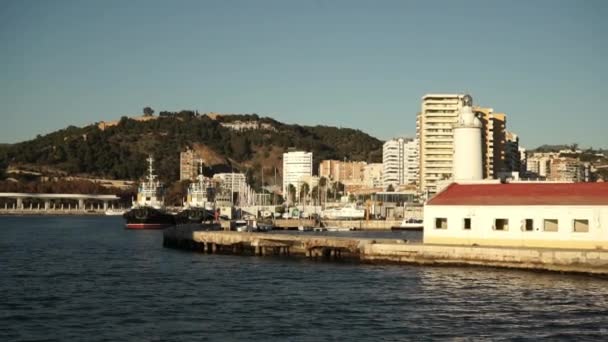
362 224
356 224
51 212
387 251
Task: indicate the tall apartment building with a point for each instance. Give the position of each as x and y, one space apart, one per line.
412 163
393 162
512 153
400 162
342 171
296 164
438 115
493 141
188 165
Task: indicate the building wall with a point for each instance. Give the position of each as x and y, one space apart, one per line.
372 175
493 141
566 169
341 171
393 162
234 182
295 166
512 153
400 162
439 113
188 165
483 230
412 167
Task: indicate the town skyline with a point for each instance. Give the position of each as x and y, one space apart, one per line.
345 64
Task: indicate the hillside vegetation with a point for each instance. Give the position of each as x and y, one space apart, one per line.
119 152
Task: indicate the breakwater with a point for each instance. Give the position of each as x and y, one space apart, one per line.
385 250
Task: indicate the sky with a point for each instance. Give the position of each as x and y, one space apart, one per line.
356 64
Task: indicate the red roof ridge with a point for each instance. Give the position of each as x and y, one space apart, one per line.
522 193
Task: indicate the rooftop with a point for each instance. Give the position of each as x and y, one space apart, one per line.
523 194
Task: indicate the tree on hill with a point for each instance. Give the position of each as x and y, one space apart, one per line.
148 111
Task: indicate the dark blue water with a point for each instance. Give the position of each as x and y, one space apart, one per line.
76 279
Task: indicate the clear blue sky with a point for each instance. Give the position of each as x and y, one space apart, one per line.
359 64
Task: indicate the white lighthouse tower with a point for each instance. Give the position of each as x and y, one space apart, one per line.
467 144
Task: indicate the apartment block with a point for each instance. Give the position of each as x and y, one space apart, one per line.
400 162
342 171
233 182
493 141
438 115
296 165
189 164
372 175
512 153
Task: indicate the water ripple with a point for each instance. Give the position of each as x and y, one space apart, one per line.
89 279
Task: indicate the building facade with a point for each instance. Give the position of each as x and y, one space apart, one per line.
493 141
296 164
438 115
372 175
512 153
400 162
342 171
393 162
233 182
189 165
553 215
566 169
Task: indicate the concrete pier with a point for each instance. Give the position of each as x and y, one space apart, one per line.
386 251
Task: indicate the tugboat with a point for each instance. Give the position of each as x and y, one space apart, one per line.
148 212
199 204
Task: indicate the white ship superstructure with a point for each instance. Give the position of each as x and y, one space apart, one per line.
150 193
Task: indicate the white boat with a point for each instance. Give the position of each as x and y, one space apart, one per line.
344 213
411 223
115 212
340 229
304 229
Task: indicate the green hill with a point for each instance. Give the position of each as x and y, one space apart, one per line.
119 152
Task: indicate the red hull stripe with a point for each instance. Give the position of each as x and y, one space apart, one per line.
147 225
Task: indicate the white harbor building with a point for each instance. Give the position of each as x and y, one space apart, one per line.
555 215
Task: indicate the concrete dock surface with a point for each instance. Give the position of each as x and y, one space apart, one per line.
385 250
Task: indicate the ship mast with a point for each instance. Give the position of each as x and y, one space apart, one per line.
151 175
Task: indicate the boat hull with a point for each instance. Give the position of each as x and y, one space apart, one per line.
148 218
193 215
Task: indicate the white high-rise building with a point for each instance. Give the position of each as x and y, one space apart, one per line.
400 162
296 165
234 182
392 162
438 116
412 163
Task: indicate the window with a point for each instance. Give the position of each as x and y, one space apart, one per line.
581 226
529 225
550 225
501 224
441 223
467 223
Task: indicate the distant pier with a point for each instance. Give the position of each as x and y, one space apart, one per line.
322 247
13 203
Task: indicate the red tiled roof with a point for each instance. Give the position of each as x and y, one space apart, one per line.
523 194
